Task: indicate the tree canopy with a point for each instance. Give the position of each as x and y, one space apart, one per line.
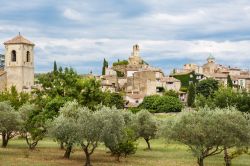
207 87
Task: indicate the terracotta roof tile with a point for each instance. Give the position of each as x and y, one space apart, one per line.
19 40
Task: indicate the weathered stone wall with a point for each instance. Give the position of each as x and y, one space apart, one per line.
3 81
19 73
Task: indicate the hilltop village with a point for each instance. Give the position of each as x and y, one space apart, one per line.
134 77
138 79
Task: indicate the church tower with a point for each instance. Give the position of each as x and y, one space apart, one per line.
135 58
19 63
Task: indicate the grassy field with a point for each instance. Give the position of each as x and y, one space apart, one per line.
49 154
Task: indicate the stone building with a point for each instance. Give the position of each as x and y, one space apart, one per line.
240 77
19 65
139 80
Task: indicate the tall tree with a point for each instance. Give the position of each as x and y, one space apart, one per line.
229 81
191 95
55 67
105 64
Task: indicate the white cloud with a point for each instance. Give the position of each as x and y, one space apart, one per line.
72 14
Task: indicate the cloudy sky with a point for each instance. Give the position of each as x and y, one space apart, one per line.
80 33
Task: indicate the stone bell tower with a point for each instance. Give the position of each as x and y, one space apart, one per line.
135 58
19 63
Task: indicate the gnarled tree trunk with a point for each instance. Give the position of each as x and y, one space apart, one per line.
87 162
5 139
200 161
68 152
227 158
61 145
148 143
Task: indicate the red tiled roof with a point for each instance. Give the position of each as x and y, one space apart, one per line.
19 40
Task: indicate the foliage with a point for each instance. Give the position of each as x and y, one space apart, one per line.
243 102
90 130
146 126
186 79
225 97
119 73
123 62
207 131
10 122
134 110
105 65
201 102
127 146
172 93
34 126
91 94
236 133
157 103
15 99
229 81
112 99
207 87
149 103
65 127
57 88
191 95
113 132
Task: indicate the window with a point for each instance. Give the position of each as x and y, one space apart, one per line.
13 56
28 56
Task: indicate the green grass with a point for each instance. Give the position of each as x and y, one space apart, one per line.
49 154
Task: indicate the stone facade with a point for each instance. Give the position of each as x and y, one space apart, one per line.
140 79
211 69
19 64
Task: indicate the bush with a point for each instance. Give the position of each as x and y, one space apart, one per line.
123 62
159 104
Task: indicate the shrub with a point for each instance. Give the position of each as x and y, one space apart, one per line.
159 104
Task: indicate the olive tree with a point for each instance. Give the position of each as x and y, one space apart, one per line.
238 137
206 131
118 134
65 127
235 133
146 126
90 129
34 126
10 122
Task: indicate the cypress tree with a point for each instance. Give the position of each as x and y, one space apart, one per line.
105 64
55 67
229 81
191 95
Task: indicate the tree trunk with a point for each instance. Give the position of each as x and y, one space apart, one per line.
118 158
148 143
200 161
5 139
226 157
31 144
67 152
61 146
87 162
